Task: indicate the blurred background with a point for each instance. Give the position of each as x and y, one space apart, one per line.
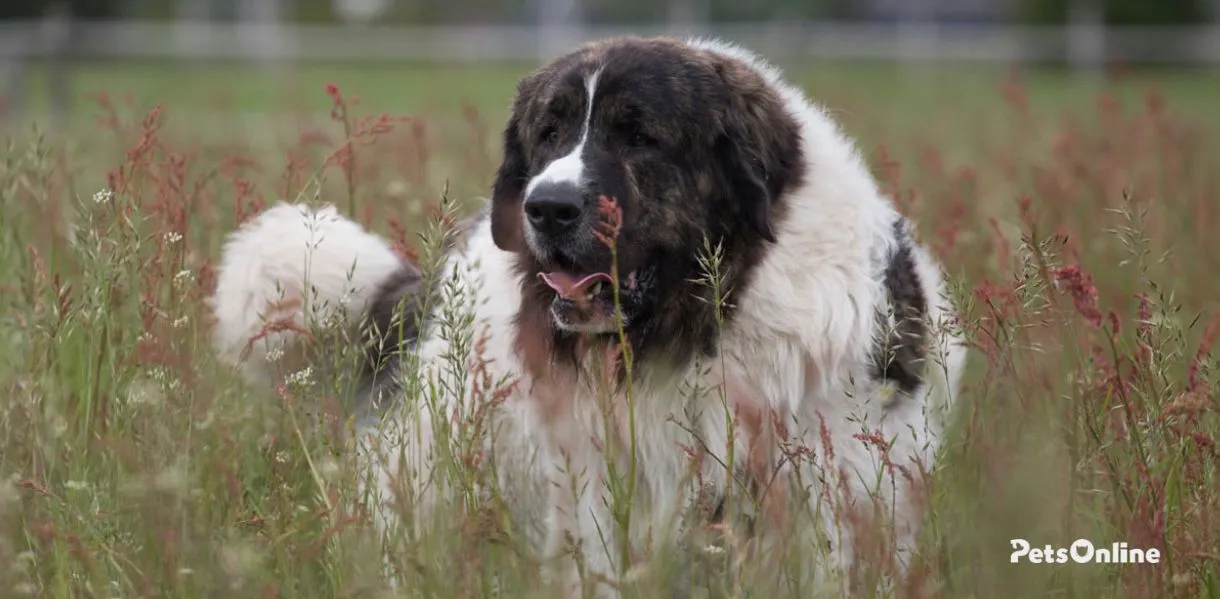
899 74
1078 31
144 44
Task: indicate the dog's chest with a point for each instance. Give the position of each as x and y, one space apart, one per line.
680 431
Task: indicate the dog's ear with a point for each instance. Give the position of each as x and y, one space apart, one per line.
508 188
759 147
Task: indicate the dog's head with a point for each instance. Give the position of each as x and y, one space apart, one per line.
691 144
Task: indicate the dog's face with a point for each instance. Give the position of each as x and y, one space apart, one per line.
687 143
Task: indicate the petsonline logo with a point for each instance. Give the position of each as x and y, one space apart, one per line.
1082 551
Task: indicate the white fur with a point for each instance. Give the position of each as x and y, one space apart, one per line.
799 344
296 264
570 168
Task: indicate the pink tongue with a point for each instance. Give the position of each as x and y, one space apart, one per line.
567 285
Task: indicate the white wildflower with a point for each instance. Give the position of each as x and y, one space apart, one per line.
103 196
173 237
275 354
166 379
141 392
183 277
281 457
181 322
301 378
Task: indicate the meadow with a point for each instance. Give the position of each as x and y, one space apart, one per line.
1075 217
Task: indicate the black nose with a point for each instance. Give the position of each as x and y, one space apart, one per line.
553 209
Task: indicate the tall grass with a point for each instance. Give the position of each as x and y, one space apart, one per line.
133 465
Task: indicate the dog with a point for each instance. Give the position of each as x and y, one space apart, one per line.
680 250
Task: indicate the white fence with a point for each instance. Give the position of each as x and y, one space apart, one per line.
1083 45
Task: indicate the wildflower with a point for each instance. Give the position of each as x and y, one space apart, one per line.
281 457
301 378
103 196
1084 293
1144 316
183 277
181 322
275 354
875 439
165 378
143 393
173 237
611 220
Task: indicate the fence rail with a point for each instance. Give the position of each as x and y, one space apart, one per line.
1079 44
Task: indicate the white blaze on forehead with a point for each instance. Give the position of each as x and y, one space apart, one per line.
570 168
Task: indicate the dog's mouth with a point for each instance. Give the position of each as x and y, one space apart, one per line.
585 302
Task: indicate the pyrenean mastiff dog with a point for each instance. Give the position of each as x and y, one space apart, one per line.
686 280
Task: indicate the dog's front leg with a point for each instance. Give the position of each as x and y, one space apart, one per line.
582 542
401 454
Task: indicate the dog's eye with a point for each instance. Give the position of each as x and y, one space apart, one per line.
639 139
550 135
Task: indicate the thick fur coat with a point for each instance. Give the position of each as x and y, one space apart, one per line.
822 325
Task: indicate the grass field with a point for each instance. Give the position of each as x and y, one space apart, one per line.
1076 219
